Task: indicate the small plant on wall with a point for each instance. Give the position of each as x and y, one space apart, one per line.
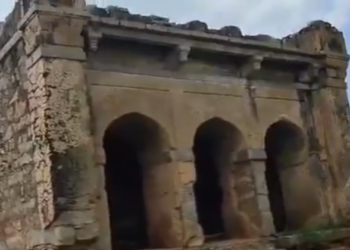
312 239
316 238
322 236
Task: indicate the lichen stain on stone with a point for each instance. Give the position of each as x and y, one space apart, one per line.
46 170
67 111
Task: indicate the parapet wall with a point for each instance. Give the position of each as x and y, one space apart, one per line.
298 40
23 95
305 39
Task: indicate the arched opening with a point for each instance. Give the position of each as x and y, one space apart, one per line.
284 143
214 144
133 144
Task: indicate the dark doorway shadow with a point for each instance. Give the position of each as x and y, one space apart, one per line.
214 142
128 142
283 143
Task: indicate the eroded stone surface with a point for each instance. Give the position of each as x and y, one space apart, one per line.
55 110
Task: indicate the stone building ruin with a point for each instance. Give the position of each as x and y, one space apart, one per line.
125 132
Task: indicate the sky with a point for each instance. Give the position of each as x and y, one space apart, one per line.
274 17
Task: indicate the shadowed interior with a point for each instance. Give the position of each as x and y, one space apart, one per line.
283 144
214 142
130 141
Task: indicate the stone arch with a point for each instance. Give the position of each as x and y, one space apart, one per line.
285 146
293 143
216 143
140 204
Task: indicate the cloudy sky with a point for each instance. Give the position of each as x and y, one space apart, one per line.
274 17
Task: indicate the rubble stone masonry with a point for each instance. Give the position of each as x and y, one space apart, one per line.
123 131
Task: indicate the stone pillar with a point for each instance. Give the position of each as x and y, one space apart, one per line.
192 231
331 101
239 208
55 65
317 157
255 160
255 157
160 190
301 199
331 104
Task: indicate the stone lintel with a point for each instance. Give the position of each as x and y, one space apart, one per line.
251 154
56 51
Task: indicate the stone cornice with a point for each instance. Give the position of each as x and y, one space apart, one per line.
201 40
161 32
64 11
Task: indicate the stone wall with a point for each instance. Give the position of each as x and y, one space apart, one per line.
327 116
51 186
19 150
36 191
124 71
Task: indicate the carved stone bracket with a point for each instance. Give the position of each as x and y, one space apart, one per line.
178 56
310 74
183 52
94 36
252 65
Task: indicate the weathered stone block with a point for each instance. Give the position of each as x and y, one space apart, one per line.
88 231
64 235
61 86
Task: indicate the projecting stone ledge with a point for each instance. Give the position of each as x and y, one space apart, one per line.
327 39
